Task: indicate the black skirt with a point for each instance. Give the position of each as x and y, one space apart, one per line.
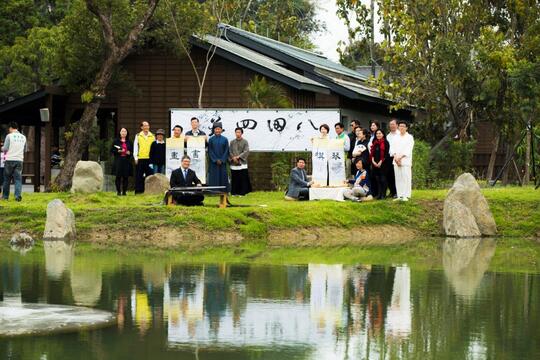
240 184
122 166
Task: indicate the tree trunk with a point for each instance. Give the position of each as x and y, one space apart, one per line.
79 142
527 174
77 145
493 156
506 172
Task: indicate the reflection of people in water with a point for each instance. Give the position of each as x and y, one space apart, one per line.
378 296
358 278
297 280
215 296
120 311
237 294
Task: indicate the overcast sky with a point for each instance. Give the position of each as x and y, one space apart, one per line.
335 29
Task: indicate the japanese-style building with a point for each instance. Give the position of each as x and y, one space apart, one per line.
162 81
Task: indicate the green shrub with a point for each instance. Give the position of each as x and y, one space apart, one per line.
448 162
421 171
281 167
452 159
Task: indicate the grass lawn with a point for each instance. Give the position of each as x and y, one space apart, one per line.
516 211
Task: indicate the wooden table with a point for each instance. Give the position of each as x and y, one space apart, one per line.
221 191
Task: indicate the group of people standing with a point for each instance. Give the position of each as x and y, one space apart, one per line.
148 152
379 164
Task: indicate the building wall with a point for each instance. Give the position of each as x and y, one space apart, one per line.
163 82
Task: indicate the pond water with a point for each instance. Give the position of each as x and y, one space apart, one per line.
168 310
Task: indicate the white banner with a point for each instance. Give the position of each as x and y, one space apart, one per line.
319 160
173 154
264 129
196 150
336 162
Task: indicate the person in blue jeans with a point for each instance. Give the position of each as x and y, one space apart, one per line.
14 147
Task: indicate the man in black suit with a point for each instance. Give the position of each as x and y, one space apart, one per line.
182 177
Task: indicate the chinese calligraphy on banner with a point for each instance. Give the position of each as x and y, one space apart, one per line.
264 129
173 155
196 150
320 161
336 162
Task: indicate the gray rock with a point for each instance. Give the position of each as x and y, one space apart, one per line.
60 223
21 242
459 220
156 184
87 178
466 192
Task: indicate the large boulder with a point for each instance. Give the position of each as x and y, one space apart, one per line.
87 178
466 194
60 223
459 220
156 184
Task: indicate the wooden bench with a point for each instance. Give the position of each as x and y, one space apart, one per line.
221 191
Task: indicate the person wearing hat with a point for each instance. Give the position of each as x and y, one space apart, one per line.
218 152
157 153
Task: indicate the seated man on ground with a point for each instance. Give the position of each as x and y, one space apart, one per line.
299 184
185 177
360 187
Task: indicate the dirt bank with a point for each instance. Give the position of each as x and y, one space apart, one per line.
193 238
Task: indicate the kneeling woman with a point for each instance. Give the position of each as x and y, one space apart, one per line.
360 187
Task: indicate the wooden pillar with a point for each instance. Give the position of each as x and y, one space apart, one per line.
48 143
37 156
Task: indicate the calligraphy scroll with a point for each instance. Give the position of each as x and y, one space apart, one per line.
264 129
336 162
319 158
173 154
196 150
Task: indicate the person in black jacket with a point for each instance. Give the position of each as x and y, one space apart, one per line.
122 150
182 177
379 154
157 153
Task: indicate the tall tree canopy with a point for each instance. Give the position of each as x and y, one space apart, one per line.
461 61
80 44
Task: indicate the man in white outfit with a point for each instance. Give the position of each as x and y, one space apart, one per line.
394 132
401 148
